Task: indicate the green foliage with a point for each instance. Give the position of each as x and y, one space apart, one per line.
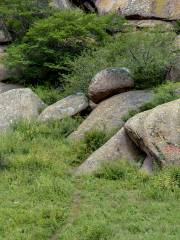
48 94
164 184
146 54
92 141
119 170
18 15
51 43
164 93
55 129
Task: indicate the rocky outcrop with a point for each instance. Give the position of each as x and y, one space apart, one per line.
157 133
68 106
107 115
109 82
160 9
61 4
18 104
119 147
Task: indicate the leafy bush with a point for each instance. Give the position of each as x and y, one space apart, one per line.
162 94
146 54
45 52
18 15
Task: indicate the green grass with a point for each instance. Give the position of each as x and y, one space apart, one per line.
41 199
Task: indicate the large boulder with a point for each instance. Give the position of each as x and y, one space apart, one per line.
68 106
18 104
109 82
107 115
119 147
157 133
160 9
61 4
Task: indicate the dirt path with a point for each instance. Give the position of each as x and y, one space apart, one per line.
74 211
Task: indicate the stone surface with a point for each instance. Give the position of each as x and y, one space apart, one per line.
68 106
109 82
162 9
61 4
174 71
157 132
18 104
4 87
107 115
119 147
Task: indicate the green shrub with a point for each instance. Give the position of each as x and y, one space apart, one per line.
18 15
146 54
49 45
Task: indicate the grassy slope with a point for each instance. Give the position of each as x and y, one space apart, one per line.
40 199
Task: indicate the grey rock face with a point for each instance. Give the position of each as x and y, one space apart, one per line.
107 115
157 132
61 4
68 106
118 147
18 104
110 82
